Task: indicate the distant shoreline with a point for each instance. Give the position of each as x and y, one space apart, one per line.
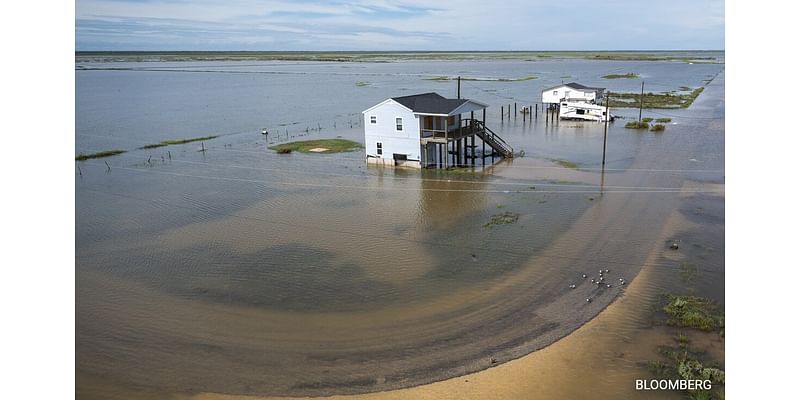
385 56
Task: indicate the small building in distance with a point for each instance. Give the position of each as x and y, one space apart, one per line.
572 92
425 130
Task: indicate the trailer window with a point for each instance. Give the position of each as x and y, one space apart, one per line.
373 119
580 111
380 148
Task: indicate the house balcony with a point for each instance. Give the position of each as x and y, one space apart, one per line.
467 127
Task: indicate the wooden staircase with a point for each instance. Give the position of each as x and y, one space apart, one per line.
495 142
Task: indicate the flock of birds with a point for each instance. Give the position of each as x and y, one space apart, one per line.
600 281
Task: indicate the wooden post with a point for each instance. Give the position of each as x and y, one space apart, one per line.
641 102
515 110
483 155
459 87
473 147
537 111
502 114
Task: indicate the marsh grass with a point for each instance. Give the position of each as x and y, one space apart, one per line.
647 119
629 75
654 100
453 78
177 141
567 164
692 312
331 146
502 219
101 154
664 120
657 128
637 125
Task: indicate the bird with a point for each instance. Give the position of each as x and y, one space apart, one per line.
620 279
588 300
622 283
592 280
606 271
474 257
608 286
584 276
572 286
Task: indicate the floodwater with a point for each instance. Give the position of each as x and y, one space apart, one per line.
236 270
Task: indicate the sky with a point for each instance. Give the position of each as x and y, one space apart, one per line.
404 25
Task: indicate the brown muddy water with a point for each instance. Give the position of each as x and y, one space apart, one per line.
242 272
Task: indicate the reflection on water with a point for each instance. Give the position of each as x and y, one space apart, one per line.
237 270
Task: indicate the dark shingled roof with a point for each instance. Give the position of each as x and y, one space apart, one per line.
430 103
575 85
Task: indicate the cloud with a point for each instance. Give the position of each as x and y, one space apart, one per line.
397 25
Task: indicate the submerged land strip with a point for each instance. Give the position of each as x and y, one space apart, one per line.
109 153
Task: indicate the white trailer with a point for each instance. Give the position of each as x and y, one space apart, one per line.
583 111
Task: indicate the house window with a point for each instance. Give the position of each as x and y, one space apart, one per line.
399 123
566 94
373 119
587 94
380 148
555 92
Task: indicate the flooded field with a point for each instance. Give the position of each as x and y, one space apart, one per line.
239 271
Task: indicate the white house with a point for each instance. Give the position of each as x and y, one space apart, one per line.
573 92
423 130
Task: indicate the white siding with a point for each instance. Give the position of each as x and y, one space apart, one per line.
555 95
385 131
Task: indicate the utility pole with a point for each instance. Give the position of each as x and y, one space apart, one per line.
641 102
459 87
605 139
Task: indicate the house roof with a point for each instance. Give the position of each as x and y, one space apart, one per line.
431 103
574 85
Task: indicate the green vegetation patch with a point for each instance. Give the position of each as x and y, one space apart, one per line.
647 119
453 78
567 164
101 154
653 100
362 83
693 312
657 128
637 125
629 75
329 146
664 120
177 141
684 362
502 219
